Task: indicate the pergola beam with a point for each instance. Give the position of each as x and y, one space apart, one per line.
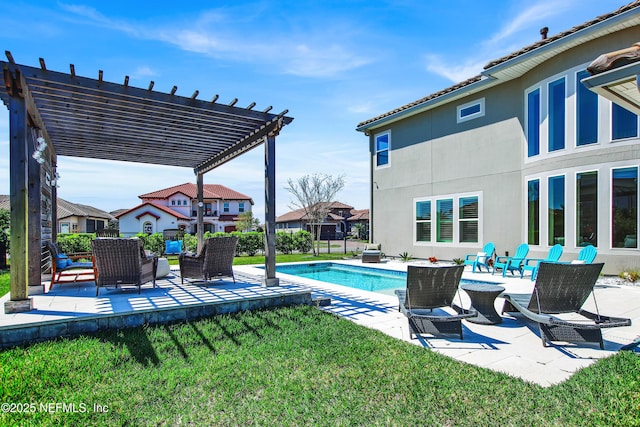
88 118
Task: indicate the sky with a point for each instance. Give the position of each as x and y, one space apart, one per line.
332 64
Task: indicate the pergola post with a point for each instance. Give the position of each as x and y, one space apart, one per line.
18 174
270 278
200 189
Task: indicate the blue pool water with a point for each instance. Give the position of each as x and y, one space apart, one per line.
365 278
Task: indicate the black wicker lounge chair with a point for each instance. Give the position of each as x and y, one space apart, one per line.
214 260
69 268
429 288
563 289
122 261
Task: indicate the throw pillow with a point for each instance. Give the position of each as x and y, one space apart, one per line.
62 261
481 257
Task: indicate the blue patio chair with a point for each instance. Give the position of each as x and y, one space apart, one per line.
532 264
512 263
587 255
481 258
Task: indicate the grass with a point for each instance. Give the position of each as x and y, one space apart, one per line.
293 366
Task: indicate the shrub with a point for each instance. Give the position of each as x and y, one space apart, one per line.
284 242
75 242
5 227
250 242
303 241
152 242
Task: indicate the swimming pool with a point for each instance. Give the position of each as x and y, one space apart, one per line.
354 276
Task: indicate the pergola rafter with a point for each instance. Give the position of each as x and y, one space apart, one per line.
83 117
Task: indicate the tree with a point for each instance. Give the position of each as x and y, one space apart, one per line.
246 222
314 194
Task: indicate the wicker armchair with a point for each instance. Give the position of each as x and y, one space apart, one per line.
214 260
429 288
563 289
122 261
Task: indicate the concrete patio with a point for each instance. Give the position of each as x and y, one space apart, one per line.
512 347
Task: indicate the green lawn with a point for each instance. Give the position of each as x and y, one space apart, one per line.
292 367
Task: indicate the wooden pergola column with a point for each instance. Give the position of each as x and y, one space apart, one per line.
270 278
18 185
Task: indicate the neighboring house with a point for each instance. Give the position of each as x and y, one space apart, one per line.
333 226
359 217
523 152
77 218
74 217
176 207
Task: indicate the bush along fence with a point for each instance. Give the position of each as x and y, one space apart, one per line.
249 243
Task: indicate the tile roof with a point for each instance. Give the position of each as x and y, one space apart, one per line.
299 214
189 189
504 59
165 209
359 215
67 209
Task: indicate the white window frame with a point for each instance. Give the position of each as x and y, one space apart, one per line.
375 148
456 219
461 108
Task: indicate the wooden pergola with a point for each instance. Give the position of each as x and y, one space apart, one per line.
92 118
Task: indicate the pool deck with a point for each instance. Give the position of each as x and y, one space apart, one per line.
512 347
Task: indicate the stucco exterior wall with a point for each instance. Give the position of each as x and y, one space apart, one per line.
431 154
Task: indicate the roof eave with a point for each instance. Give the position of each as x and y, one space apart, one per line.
430 104
619 85
523 63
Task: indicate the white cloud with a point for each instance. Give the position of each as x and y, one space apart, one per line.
287 50
455 72
501 42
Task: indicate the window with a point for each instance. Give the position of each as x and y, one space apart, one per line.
382 149
173 203
448 219
423 221
587 208
533 123
444 220
470 110
241 207
556 210
624 124
225 207
624 208
147 228
468 219
587 114
533 212
179 202
556 114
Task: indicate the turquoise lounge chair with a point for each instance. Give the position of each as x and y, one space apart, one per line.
512 263
532 264
587 255
479 260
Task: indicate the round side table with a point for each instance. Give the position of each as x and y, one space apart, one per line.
482 300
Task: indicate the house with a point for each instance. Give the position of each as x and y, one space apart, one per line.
522 152
74 217
177 207
339 218
77 218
